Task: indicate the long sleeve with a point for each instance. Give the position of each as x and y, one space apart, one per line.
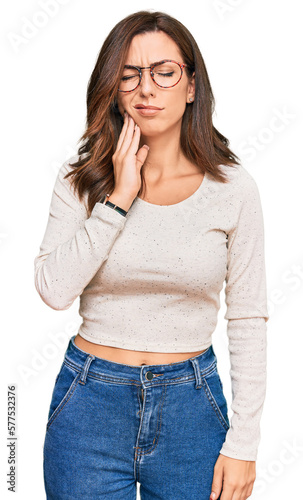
74 246
247 314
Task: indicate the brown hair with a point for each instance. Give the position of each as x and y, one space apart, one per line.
200 141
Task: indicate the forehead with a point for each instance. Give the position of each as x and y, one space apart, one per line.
150 47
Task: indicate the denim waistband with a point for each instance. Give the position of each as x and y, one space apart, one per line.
145 375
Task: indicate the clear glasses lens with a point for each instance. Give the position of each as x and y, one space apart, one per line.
130 79
165 75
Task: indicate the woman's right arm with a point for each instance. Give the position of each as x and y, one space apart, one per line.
74 246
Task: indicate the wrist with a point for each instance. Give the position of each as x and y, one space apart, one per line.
123 201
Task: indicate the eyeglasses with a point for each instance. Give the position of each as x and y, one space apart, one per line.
165 74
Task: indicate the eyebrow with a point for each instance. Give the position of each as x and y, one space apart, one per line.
156 62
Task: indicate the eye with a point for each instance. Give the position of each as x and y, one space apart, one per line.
166 74
129 74
125 78
167 70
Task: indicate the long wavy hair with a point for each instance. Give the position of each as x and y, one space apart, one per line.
200 141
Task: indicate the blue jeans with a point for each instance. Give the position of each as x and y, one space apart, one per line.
112 425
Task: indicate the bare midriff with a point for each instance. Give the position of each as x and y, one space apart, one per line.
130 357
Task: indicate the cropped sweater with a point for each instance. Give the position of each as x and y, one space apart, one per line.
151 280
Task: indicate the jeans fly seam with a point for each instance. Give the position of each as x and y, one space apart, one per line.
138 397
154 446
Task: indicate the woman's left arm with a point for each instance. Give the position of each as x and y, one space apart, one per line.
247 314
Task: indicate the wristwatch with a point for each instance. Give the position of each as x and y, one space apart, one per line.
115 207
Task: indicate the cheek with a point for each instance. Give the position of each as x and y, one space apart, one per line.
122 103
176 106
125 103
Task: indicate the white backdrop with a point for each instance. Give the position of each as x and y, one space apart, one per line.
253 53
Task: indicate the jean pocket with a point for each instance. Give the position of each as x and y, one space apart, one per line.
65 386
213 388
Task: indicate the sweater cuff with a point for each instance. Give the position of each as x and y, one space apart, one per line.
108 214
248 353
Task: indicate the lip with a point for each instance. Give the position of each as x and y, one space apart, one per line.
147 110
142 106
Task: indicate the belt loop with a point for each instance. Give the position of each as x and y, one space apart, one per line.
85 368
197 372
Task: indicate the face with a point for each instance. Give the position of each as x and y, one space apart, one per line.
144 50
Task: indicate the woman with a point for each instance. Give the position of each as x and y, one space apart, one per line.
145 224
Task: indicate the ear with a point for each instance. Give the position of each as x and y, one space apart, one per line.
191 87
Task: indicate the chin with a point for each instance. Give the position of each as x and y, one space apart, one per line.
151 125
152 131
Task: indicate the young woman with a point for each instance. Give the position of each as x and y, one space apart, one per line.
146 223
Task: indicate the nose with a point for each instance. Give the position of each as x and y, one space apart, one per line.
147 84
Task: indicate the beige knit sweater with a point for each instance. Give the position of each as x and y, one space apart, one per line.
151 281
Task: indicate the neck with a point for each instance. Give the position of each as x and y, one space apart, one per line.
165 159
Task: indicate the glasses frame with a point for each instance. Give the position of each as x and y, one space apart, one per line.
181 65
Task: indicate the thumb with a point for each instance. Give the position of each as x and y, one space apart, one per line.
142 154
216 486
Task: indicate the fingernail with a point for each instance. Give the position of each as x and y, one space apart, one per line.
213 495
146 147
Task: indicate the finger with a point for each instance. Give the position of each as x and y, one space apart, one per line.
250 490
142 155
122 133
246 492
128 136
229 493
134 144
217 483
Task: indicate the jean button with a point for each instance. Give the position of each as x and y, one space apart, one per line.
149 375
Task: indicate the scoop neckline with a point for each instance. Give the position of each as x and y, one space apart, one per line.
198 191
